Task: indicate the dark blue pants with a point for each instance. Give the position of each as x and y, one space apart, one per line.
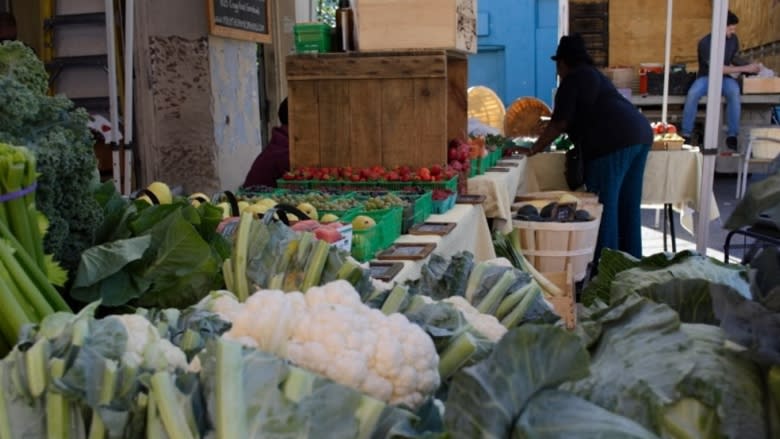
617 179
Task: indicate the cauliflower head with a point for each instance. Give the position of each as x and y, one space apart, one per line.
485 324
331 332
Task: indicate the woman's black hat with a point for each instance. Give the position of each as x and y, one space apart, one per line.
571 49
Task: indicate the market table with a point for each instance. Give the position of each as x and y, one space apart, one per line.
471 233
499 189
671 178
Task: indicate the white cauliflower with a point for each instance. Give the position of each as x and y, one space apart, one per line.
221 302
485 324
145 348
331 332
140 333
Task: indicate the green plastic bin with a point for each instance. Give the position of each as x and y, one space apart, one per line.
312 37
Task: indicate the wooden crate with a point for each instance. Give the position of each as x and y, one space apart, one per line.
566 305
415 24
667 145
365 109
761 85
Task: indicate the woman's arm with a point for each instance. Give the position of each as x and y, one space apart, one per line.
551 132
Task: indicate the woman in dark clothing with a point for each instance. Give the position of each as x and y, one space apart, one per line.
614 138
274 160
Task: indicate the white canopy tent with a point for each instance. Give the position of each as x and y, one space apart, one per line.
712 125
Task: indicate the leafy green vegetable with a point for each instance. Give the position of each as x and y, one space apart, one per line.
441 277
665 278
164 262
58 135
554 414
485 400
761 201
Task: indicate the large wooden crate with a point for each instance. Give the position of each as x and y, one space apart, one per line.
365 109
407 24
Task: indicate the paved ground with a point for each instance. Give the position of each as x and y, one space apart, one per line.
724 187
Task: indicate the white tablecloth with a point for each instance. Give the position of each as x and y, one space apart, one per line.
471 233
672 177
499 189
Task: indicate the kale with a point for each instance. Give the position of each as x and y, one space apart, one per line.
58 135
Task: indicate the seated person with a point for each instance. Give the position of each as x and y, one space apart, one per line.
274 159
732 64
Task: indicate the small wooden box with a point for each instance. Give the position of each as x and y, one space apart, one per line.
386 108
668 145
415 24
761 85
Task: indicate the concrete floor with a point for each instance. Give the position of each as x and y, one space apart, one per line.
724 187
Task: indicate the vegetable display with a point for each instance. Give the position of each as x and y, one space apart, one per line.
57 134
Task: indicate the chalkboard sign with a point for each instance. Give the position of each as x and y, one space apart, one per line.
240 19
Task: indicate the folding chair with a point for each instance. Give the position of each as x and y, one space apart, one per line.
762 149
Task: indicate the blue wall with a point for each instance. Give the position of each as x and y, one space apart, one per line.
521 36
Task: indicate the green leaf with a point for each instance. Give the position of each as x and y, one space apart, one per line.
761 198
554 414
611 263
638 362
727 382
182 267
486 399
688 418
101 262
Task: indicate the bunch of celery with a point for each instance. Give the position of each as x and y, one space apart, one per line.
17 189
270 255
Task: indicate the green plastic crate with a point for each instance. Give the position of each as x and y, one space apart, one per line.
421 207
293 184
388 223
451 184
312 37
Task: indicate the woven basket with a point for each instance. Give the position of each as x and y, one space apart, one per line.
486 106
524 117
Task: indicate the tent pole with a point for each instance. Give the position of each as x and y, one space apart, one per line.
712 122
667 59
563 18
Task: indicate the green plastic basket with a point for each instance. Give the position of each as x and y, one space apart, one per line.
451 184
419 209
443 206
388 223
365 244
312 37
293 184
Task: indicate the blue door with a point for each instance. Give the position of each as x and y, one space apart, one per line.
516 39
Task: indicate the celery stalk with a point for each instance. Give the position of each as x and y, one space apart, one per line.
230 419
294 278
5 275
368 413
154 426
26 286
513 318
510 301
35 272
36 361
227 274
12 315
5 421
492 299
298 384
315 265
284 263
16 210
164 394
350 272
57 407
106 394
456 354
474 280
240 250
394 300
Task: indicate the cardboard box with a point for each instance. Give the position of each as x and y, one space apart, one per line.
415 24
761 85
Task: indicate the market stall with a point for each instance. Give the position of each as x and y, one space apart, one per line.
499 188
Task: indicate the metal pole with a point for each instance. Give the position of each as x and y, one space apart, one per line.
563 18
128 112
712 122
667 59
113 97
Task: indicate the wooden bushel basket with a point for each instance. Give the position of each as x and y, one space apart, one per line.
551 246
565 306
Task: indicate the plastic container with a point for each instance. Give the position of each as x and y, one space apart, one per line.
644 68
419 209
443 206
312 37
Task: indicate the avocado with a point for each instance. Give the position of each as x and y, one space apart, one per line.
547 210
